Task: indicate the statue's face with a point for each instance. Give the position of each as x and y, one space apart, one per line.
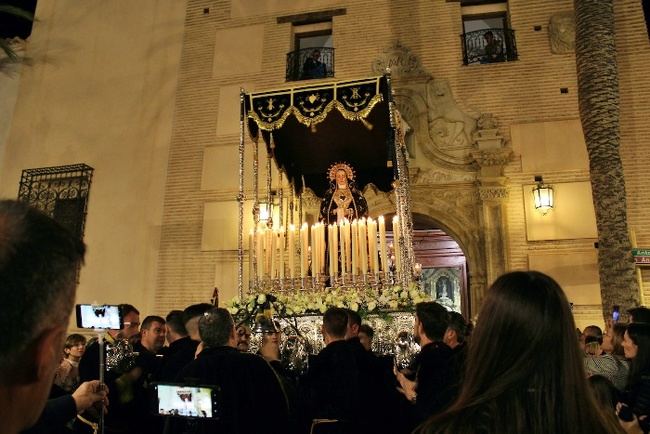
341 178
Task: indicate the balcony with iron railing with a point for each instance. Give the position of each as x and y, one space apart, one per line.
489 46
310 63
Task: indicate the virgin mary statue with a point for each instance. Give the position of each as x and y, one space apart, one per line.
342 200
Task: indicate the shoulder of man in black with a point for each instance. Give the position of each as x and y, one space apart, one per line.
179 354
247 383
89 363
436 379
55 415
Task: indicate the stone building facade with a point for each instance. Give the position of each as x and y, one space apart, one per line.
158 119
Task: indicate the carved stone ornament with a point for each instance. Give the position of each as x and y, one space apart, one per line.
309 198
492 157
449 126
401 61
440 176
562 33
493 193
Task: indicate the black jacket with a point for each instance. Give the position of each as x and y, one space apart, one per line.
437 379
177 356
345 382
252 400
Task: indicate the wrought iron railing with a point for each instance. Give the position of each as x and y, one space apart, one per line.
489 46
60 192
310 63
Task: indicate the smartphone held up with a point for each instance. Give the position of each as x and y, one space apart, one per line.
94 316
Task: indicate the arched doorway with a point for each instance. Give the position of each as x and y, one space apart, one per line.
444 265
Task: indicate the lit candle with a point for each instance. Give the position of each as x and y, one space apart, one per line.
382 244
343 226
397 237
372 245
355 248
304 245
292 251
363 247
334 249
272 237
259 251
251 252
314 250
281 252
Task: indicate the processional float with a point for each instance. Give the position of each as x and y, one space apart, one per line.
306 130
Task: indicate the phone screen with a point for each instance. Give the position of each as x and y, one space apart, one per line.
615 313
92 316
186 401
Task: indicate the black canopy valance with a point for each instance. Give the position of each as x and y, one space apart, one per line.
309 128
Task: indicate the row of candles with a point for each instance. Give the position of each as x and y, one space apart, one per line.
353 248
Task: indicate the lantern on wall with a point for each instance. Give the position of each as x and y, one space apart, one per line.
543 196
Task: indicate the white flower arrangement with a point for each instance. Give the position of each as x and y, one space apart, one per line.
367 301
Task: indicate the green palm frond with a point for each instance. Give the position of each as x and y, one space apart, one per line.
8 50
5 45
16 11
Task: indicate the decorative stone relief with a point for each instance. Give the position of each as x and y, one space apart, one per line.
493 193
376 198
562 33
440 176
492 157
401 61
310 200
449 125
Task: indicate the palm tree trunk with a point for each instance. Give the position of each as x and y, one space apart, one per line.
598 99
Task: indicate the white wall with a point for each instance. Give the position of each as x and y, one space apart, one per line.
100 90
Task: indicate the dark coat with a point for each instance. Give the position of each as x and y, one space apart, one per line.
345 382
56 414
177 356
252 400
437 380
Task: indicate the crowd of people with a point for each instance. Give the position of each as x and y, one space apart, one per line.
522 368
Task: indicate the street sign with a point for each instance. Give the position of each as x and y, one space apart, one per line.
641 256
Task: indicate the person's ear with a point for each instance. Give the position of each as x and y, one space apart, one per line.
41 356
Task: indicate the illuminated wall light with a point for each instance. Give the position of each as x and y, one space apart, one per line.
265 212
543 196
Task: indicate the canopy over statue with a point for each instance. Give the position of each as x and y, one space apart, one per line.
333 139
307 129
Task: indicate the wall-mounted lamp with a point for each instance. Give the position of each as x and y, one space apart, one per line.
265 211
543 195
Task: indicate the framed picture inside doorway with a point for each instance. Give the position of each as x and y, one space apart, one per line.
444 286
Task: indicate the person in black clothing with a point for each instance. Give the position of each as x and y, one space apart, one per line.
640 314
191 316
345 382
181 348
636 344
455 339
366 334
251 398
524 369
58 412
435 382
313 67
119 379
39 264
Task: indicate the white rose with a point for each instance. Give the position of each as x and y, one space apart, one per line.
393 304
261 299
323 308
372 306
354 306
233 310
404 295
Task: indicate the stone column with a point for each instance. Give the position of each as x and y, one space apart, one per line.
492 156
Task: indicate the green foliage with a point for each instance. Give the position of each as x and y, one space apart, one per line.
5 46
